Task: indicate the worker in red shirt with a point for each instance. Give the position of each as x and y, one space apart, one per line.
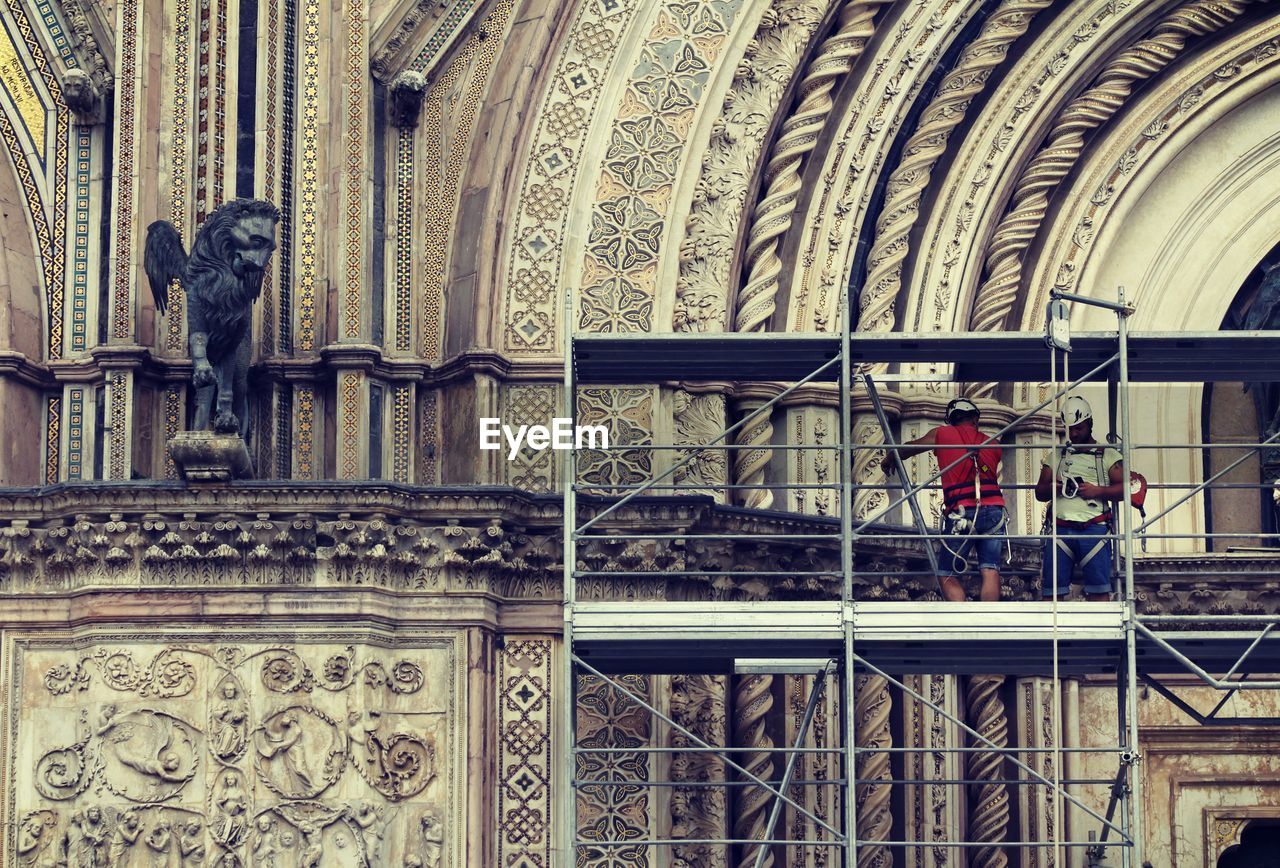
971 495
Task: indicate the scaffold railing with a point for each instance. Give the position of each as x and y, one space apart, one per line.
829 634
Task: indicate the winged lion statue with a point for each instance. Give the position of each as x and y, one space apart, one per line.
222 277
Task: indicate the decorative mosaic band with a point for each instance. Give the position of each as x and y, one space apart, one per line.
356 135
442 171
456 15
308 188
402 432
52 431
173 414
120 384
404 241
525 685
75 432
350 444
126 130
49 219
80 241
270 191
175 317
304 414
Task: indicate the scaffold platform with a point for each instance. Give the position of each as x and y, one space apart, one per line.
1157 357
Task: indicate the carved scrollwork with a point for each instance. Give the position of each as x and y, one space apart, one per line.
300 752
167 676
63 773
283 671
398 766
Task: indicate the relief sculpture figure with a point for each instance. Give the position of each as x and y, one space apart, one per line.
123 839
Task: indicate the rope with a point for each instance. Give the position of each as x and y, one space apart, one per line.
1057 682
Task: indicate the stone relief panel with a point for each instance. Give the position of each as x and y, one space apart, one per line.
235 751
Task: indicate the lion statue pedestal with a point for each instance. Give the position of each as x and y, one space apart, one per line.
205 456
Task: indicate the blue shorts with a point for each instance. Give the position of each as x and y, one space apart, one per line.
953 554
1078 547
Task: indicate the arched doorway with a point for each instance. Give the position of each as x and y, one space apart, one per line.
1259 847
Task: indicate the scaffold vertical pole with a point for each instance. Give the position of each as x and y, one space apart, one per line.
568 798
1134 789
846 590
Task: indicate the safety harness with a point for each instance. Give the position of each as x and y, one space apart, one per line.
1107 516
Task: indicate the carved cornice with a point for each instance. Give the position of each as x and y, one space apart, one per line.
307 369
504 543
416 26
88 32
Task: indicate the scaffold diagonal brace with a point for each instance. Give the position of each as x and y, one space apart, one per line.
768 787
992 745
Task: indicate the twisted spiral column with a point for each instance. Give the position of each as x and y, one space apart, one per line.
989 811
752 700
1112 88
871 709
799 136
749 465
906 185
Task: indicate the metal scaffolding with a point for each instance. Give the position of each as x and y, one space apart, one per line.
836 638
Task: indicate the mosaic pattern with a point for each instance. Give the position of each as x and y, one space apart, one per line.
126 121
401 432
46 193
80 242
304 414
442 172
308 187
357 72
52 432
219 154
628 414
203 133
639 169
284 316
525 679
403 325
269 189
530 405
172 425
608 718
54 28
284 431
536 245
175 317
349 443
75 432
456 15
118 410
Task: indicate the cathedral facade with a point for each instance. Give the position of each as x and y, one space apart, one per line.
353 656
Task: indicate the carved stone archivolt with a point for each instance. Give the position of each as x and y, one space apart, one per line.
232 751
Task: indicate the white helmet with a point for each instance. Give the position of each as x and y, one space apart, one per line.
1076 410
960 406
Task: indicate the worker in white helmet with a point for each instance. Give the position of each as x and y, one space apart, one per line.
1089 478
976 517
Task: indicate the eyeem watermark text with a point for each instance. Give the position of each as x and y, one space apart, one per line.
562 434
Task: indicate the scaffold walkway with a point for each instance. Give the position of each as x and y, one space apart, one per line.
835 638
